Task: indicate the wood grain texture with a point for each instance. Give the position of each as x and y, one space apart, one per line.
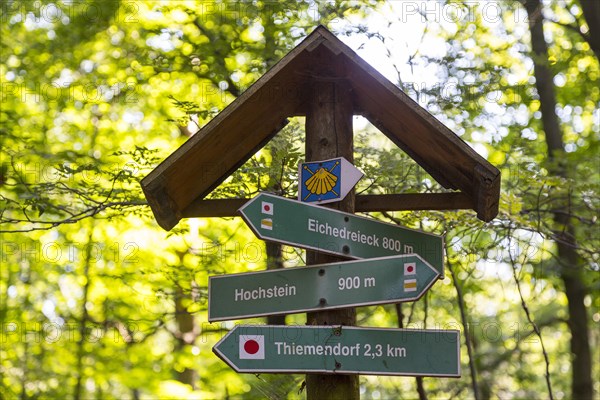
329 134
363 203
176 187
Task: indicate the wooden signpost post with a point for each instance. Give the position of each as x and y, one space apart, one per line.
329 134
327 83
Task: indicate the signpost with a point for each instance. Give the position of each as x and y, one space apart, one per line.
341 350
335 85
330 231
326 181
384 280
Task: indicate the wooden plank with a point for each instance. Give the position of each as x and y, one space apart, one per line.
451 164
236 104
374 77
241 154
164 208
445 156
364 203
446 162
394 114
434 172
413 201
235 134
487 192
329 134
229 139
207 166
224 145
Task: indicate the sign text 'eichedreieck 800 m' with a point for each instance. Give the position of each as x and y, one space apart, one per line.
311 227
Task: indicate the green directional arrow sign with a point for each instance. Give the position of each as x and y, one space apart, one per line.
341 349
330 231
343 284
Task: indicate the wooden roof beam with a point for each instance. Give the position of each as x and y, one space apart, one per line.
175 188
364 203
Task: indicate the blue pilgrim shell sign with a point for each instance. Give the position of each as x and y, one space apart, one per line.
326 181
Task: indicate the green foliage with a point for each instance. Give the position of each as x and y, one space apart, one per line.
98 302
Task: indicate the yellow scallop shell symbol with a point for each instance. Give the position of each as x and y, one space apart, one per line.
321 182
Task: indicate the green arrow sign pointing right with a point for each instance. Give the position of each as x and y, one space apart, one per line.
344 284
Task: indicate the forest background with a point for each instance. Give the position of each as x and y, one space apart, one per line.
98 302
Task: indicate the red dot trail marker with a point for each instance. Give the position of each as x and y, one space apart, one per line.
341 350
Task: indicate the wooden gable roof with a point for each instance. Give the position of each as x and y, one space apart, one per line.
176 187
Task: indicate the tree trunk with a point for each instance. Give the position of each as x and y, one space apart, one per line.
568 259
419 379
186 335
591 13
77 391
328 135
187 331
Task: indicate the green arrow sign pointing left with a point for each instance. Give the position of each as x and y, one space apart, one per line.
344 284
341 349
330 231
